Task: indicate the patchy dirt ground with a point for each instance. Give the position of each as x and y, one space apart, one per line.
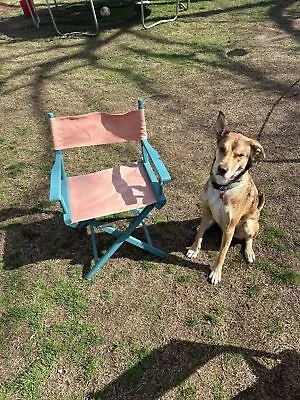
146 328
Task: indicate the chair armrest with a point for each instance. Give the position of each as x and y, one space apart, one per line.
55 179
157 162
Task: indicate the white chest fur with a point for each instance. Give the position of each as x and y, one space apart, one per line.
220 209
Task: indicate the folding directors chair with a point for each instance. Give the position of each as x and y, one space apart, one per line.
137 187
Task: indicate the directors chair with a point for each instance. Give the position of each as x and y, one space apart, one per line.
137 187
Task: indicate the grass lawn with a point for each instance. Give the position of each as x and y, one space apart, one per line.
144 328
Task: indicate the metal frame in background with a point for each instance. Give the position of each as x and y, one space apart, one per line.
34 16
179 7
74 32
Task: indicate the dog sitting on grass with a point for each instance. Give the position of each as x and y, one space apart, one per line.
230 197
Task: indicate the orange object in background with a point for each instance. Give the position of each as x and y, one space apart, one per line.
25 7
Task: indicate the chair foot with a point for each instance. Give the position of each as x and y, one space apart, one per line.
92 272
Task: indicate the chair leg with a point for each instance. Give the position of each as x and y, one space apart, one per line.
121 238
94 244
148 238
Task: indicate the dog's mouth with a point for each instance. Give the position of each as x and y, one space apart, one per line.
221 179
221 174
228 175
225 177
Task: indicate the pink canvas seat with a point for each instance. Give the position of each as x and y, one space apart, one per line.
110 191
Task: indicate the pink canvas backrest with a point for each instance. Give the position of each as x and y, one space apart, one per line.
97 128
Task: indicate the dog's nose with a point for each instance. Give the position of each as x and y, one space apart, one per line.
222 170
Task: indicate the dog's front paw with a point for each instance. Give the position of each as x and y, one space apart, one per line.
214 277
191 253
250 256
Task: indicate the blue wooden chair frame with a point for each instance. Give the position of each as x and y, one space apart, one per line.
158 176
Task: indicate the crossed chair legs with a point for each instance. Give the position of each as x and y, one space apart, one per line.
121 237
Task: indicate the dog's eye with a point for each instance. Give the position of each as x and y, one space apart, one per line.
222 149
240 155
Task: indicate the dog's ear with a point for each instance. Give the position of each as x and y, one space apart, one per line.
256 149
222 128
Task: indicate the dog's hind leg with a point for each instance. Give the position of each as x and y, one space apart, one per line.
251 231
248 230
249 253
206 221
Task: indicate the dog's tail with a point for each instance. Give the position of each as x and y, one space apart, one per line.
261 200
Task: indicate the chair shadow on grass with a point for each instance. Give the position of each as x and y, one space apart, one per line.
32 235
170 365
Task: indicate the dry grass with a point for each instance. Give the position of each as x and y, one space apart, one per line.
146 329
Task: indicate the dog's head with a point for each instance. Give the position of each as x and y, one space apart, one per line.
233 153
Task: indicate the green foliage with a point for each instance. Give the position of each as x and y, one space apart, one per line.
193 321
264 215
156 307
67 294
45 169
282 275
23 132
216 314
184 278
234 358
141 360
217 390
120 346
186 392
27 305
29 384
253 290
42 205
148 265
32 315
15 169
273 237
76 336
91 365
276 325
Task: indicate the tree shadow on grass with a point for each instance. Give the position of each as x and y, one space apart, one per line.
31 236
170 365
286 21
278 12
